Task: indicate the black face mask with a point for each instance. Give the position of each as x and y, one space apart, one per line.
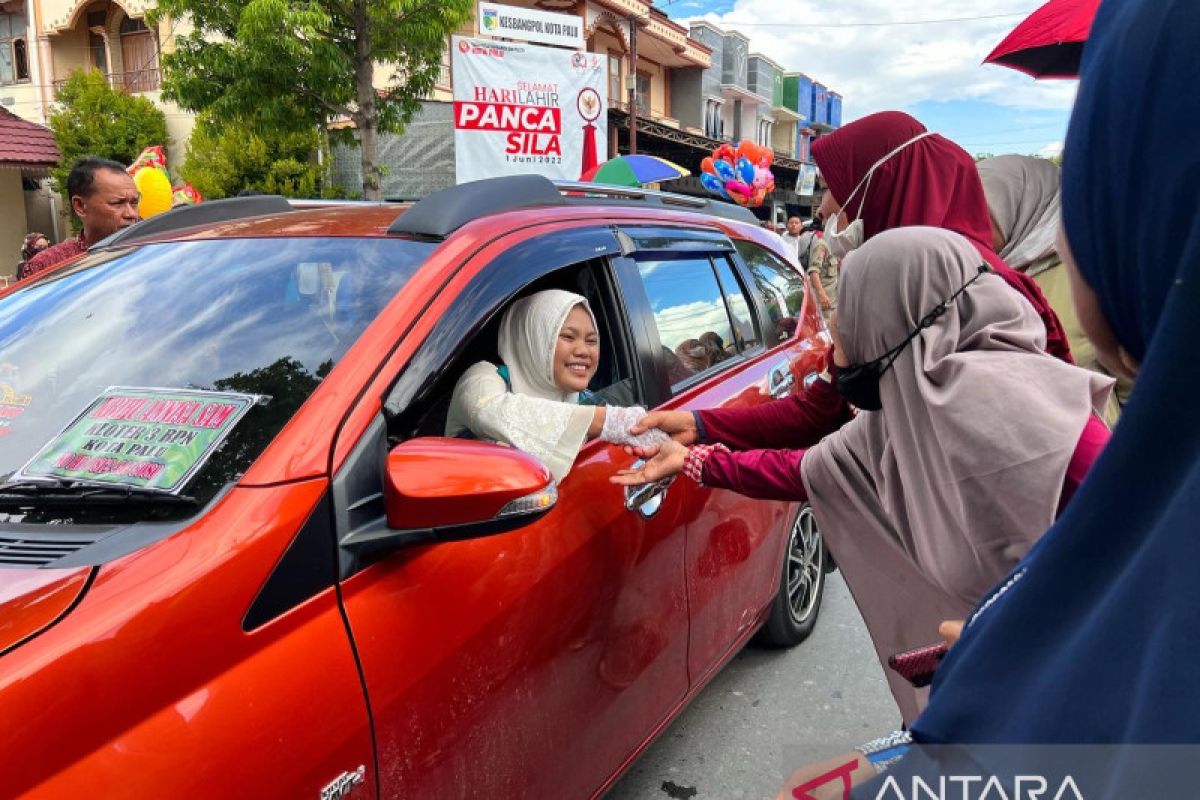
859 383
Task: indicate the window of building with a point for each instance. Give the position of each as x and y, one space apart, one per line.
134 25
14 57
139 53
692 315
614 80
643 93
712 119
98 52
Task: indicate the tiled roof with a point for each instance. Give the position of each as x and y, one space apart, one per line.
24 143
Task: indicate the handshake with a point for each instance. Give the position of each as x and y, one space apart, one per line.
642 433
660 437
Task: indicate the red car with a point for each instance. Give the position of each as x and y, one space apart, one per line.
238 558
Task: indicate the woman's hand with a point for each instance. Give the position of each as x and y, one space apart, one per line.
666 462
950 630
679 425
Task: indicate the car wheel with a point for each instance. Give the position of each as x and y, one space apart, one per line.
796 606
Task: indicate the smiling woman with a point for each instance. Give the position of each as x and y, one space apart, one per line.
537 400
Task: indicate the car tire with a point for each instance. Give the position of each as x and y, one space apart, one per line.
798 603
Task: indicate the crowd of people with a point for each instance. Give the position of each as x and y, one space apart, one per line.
987 324
956 450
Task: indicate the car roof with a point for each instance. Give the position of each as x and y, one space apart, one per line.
436 217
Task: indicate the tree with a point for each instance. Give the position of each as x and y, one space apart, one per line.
224 158
294 64
92 118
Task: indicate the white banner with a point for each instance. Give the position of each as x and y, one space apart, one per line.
531 25
520 108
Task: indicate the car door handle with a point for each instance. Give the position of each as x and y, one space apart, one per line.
647 498
781 380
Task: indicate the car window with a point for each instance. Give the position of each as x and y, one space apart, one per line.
780 289
613 384
262 316
690 313
745 332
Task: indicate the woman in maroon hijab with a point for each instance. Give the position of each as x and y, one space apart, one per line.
888 171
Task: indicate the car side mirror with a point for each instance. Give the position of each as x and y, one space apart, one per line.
440 489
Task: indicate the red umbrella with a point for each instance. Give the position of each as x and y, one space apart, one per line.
1049 43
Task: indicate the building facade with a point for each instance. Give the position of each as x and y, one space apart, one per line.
41 43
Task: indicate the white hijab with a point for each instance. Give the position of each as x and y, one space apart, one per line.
1023 198
528 337
531 413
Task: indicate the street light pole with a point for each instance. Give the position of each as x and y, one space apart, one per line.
632 84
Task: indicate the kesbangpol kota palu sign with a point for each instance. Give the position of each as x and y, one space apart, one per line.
531 25
525 109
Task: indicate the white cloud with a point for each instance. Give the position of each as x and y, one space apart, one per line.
887 67
1051 150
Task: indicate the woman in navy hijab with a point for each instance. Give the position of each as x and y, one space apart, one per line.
1095 637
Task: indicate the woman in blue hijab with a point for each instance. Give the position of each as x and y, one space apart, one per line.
1095 637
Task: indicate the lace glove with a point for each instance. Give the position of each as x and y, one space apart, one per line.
617 422
886 750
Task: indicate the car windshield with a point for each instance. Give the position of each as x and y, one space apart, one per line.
269 317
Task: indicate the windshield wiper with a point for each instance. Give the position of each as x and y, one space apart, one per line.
61 492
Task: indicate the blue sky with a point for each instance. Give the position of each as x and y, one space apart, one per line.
883 54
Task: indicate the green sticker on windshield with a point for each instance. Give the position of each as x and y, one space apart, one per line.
145 438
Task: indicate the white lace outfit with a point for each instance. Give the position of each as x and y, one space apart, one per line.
552 430
535 415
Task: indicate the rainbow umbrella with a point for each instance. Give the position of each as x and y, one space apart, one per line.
634 170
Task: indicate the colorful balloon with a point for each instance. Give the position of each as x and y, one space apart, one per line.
714 184
736 187
745 170
155 189
762 176
725 171
707 166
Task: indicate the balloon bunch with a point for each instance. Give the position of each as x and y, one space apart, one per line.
739 174
153 183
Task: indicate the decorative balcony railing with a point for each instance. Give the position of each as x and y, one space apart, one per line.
134 82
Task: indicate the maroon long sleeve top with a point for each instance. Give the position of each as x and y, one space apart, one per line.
793 423
800 421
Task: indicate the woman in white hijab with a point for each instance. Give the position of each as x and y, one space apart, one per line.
1023 198
935 490
550 347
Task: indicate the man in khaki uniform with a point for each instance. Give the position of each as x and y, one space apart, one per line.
823 269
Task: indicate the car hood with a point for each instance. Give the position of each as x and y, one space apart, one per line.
31 600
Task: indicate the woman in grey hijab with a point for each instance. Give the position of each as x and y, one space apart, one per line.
931 498
1023 199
